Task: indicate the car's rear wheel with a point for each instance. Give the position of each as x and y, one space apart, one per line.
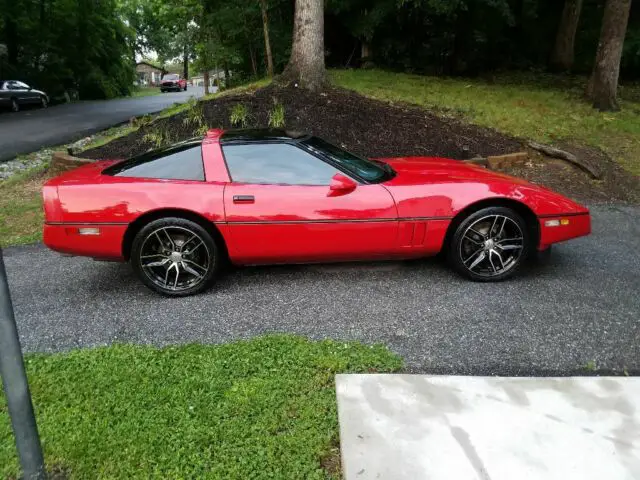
490 244
15 106
43 102
175 256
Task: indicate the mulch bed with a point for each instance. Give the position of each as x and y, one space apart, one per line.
381 129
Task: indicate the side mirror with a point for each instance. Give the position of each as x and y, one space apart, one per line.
341 185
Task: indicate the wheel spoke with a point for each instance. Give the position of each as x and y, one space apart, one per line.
175 284
158 263
474 241
171 242
493 226
504 222
480 258
477 233
194 264
495 252
190 270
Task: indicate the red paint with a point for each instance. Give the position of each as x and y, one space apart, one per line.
406 217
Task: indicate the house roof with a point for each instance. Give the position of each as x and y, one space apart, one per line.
152 65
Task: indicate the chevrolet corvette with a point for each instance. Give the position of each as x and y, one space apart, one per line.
270 197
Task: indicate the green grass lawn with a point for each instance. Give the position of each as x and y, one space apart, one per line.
21 214
145 91
546 108
263 408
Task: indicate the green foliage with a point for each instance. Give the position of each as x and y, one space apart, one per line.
194 116
264 408
545 108
141 121
276 116
239 115
591 366
159 137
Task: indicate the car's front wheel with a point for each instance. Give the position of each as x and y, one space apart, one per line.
15 106
175 256
490 244
44 103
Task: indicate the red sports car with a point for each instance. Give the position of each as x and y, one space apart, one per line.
173 81
269 196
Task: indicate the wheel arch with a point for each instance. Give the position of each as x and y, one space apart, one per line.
135 226
522 209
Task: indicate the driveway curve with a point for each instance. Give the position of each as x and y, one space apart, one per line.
32 129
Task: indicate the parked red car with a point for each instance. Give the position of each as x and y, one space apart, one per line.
268 196
173 81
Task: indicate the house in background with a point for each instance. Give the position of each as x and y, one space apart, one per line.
148 73
198 79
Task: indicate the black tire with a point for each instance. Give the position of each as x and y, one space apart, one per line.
162 90
43 102
15 106
185 88
485 249
147 243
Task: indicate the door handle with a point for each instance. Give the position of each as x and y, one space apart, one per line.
244 199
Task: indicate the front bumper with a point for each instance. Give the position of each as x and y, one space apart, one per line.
569 226
68 239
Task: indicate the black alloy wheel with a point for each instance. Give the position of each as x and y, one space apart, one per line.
490 244
175 257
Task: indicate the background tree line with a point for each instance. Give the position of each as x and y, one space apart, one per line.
91 44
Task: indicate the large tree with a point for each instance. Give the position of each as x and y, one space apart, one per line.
563 50
603 85
306 64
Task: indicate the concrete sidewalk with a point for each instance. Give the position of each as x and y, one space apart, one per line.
480 428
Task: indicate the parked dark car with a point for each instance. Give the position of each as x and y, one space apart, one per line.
173 81
14 94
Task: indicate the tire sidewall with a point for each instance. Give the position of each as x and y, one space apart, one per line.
15 106
214 257
453 249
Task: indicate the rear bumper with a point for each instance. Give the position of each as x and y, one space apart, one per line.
67 239
578 225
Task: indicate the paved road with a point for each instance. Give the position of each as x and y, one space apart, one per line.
32 129
584 305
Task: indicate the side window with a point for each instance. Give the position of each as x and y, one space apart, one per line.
276 163
183 163
20 86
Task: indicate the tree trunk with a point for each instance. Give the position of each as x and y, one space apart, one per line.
267 41
206 82
562 55
185 63
227 75
306 64
254 63
603 85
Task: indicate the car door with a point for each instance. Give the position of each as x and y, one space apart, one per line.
279 208
21 92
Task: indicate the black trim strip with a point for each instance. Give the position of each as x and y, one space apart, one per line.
355 220
564 215
89 224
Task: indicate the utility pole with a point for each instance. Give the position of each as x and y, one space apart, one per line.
16 388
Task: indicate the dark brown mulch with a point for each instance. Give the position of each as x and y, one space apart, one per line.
365 126
380 129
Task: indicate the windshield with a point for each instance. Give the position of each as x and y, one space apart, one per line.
360 167
172 76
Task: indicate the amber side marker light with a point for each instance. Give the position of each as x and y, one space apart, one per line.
556 222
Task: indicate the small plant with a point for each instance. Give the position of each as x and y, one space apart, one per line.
143 121
194 117
239 116
202 130
591 366
158 137
276 116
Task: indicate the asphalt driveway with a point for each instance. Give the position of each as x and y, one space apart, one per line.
582 306
32 129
